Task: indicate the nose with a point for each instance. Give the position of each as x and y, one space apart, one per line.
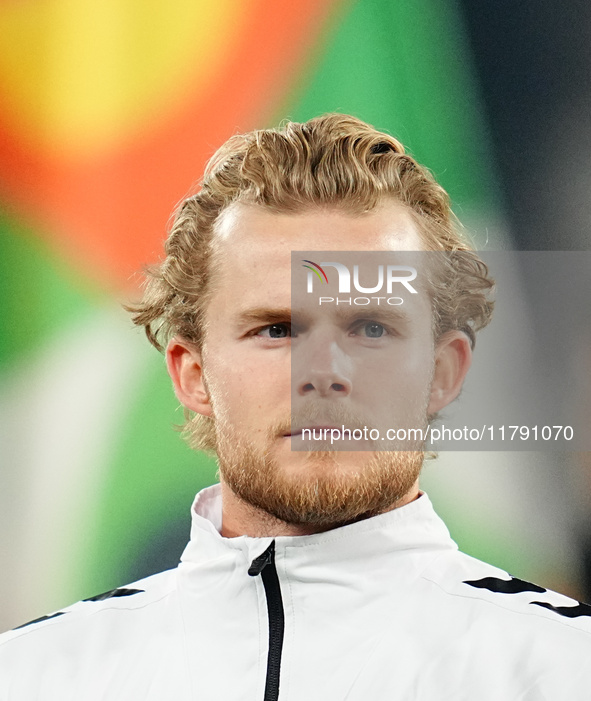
322 368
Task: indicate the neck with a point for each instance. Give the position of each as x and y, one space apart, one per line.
240 518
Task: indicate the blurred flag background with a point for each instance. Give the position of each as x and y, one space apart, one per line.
109 112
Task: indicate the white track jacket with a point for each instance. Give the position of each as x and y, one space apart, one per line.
383 609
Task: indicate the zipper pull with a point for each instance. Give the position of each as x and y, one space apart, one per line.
260 562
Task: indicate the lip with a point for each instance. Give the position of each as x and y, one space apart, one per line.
298 432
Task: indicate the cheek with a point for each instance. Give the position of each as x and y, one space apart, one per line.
418 371
401 381
409 362
247 391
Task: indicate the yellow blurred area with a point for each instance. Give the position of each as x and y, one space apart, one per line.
78 77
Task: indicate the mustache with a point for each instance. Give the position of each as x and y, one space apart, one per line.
316 414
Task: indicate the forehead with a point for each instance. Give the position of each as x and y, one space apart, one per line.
255 233
253 245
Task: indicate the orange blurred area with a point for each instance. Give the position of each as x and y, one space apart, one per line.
110 115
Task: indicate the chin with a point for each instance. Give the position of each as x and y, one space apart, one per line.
318 487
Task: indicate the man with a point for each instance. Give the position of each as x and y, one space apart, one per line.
317 573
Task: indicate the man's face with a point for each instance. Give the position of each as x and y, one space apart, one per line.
247 366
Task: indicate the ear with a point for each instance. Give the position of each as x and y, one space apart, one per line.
185 368
453 357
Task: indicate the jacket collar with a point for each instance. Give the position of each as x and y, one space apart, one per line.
412 527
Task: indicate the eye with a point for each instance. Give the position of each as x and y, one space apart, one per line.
374 330
275 331
371 329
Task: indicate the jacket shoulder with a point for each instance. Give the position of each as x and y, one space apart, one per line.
108 609
125 639
516 602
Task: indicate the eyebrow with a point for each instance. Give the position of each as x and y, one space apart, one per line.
344 314
267 315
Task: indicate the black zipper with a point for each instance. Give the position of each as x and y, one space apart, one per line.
264 565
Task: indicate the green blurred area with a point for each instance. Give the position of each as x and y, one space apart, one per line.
39 292
405 68
145 520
